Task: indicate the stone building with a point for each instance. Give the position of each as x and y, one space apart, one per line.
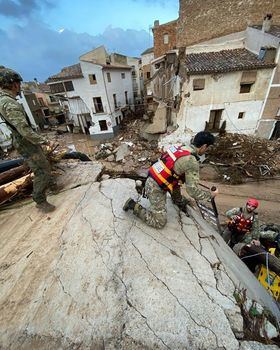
147 73
164 37
96 93
202 20
223 73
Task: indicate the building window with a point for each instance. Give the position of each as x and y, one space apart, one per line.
248 78
57 87
148 75
103 125
98 105
69 86
198 84
166 38
92 79
109 77
52 99
123 75
117 120
245 88
41 101
215 119
126 98
241 115
46 112
115 100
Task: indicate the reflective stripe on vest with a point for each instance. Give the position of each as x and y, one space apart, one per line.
163 170
240 224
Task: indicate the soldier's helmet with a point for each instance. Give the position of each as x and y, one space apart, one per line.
8 77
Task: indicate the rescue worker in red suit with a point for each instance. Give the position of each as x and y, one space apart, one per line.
176 166
243 234
243 226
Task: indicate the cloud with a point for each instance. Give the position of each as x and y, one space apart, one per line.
35 50
22 8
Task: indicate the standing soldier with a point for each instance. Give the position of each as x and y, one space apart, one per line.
177 165
25 140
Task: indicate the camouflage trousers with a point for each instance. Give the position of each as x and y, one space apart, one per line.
40 166
156 216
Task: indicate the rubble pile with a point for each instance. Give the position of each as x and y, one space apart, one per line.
16 177
238 157
129 149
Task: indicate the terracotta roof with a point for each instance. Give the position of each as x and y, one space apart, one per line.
224 61
44 87
69 72
150 50
274 30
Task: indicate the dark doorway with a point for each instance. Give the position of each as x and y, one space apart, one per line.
276 132
215 119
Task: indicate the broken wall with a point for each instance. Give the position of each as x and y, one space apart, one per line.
160 46
201 20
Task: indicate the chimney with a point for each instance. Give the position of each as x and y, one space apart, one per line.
156 23
267 21
267 54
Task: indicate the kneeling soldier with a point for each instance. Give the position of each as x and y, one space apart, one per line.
177 165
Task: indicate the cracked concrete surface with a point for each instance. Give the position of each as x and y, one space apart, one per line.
91 276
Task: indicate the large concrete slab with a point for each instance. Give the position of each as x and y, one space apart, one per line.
90 276
159 123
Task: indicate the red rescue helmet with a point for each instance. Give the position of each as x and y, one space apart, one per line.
252 202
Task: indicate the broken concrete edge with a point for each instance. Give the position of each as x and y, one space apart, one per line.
241 278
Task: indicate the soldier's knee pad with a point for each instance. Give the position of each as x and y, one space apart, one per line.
161 222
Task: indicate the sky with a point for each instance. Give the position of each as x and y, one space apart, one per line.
40 37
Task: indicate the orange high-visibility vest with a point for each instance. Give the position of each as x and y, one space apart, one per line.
163 170
240 224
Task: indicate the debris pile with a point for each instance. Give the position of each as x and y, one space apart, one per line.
16 177
129 149
238 157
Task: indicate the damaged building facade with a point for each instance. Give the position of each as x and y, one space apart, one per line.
97 92
226 81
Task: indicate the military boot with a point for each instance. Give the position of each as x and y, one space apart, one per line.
55 189
129 204
45 207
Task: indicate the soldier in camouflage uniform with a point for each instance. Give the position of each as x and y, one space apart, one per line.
25 140
271 233
243 235
178 165
243 226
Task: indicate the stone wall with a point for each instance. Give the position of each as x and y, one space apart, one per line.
160 47
202 20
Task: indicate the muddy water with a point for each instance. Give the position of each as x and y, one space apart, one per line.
267 192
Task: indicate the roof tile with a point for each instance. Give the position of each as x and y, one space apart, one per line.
224 61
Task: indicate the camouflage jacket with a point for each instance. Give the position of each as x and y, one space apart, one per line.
189 166
255 230
14 115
